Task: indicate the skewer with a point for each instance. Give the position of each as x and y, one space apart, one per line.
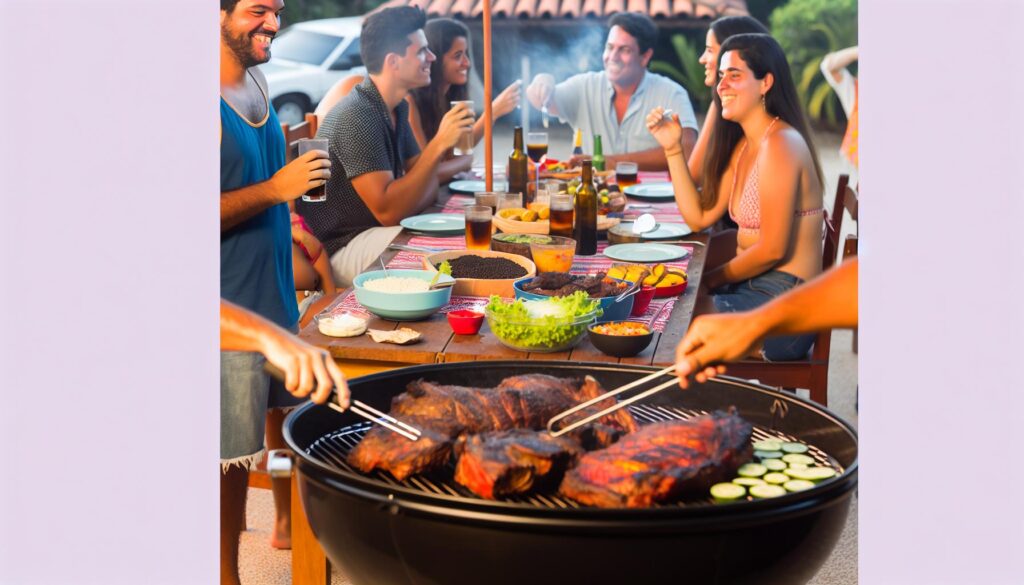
616 406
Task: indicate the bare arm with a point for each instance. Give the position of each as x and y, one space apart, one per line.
312 169
779 177
652 159
668 133
446 169
502 105
392 200
302 363
833 63
334 95
828 301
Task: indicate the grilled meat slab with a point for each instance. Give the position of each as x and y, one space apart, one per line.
504 463
444 413
661 462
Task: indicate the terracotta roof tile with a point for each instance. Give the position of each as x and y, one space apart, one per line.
568 9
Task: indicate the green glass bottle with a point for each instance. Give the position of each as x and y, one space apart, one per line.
585 229
518 174
598 157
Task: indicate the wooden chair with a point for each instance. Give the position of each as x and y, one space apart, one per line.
811 373
305 129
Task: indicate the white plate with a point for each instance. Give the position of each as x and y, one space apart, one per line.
645 252
436 223
469 187
668 231
653 191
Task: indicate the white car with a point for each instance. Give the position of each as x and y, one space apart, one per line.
306 59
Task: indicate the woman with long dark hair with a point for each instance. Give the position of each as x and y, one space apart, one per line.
449 81
718 32
761 167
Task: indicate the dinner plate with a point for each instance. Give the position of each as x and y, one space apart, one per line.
645 252
471 186
653 191
668 231
436 223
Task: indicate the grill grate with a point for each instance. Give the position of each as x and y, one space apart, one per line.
333 448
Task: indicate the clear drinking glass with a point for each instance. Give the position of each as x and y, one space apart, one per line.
465 143
478 227
316 194
488 198
507 200
625 174
562 214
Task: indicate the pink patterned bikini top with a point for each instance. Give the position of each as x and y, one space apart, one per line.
748 216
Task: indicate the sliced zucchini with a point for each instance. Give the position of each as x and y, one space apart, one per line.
727 492
798 466
775 464
752 470
768 454
748 481
776 478
798 485
767 491
798 458
794 447
814 474
768 445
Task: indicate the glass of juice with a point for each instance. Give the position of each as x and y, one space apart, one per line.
562 212
478 227
316 194
625 174
554 256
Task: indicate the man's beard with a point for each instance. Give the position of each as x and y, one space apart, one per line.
241 46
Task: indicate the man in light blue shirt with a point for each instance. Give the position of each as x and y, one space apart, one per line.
614 103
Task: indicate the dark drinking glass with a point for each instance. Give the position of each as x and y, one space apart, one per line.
478 227
562 213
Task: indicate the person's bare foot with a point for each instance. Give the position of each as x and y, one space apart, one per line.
282 536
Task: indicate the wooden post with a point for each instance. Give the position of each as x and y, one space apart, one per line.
309 563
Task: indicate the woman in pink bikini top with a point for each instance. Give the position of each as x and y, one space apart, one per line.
760 166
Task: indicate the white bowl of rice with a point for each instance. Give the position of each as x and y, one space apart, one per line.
401 295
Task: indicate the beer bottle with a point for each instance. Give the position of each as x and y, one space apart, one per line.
598 154
518 176
577 148
585 230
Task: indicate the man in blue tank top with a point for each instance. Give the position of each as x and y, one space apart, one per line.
256 267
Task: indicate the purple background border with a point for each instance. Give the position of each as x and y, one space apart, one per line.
108 167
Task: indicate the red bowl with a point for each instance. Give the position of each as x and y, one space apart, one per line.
642 300
465 322
670 291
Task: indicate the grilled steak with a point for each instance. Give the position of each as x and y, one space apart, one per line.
505 463
661 462
444 413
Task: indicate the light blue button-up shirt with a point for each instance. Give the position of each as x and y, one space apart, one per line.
585 101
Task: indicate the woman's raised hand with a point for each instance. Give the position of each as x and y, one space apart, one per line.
668 133
507 100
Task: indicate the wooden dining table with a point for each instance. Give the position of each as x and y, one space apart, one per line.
359 356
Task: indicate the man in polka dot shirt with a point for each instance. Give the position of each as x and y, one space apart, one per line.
379 176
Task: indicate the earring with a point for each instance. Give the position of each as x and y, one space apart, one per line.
763 106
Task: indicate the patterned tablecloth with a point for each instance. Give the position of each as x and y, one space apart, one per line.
657 313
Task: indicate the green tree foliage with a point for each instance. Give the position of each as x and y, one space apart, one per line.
686 70
807 31
300 10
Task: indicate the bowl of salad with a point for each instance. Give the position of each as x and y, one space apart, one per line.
543 326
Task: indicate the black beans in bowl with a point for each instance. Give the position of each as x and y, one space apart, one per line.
471 266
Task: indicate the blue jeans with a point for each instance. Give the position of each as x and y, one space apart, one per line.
750 294
246 393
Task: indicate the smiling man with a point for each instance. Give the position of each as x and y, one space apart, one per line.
614 102
255 254
380 176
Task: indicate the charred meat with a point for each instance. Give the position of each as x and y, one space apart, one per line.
561 284
661 462
444 413
504 463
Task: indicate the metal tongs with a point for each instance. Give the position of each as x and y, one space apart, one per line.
361 408
614 407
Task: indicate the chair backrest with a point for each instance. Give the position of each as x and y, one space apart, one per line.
304 129
846 198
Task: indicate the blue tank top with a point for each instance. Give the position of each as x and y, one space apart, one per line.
256 255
